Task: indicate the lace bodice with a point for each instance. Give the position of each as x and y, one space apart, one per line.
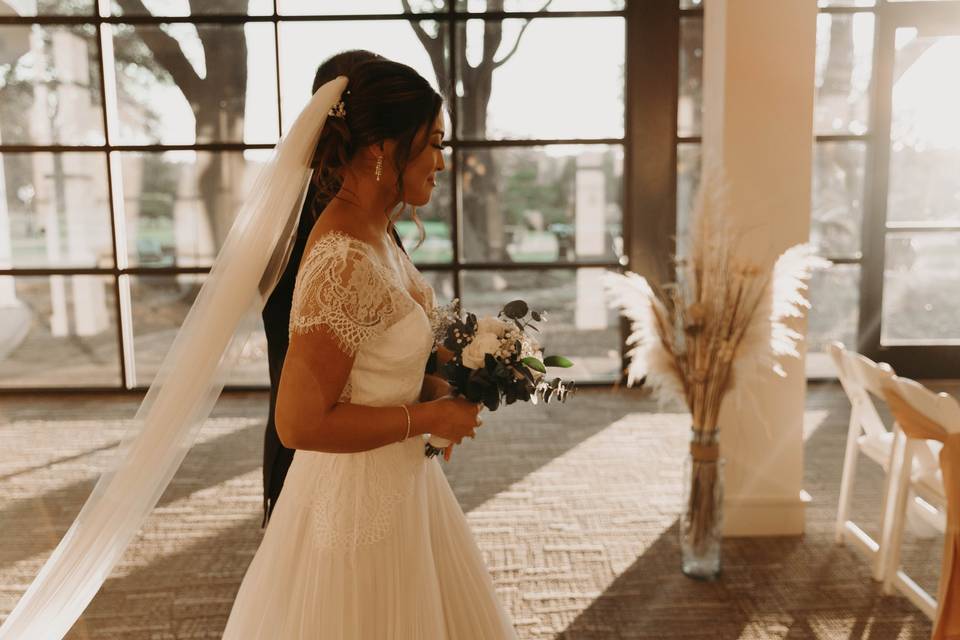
343 287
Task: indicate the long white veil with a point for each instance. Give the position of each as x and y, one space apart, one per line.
181 397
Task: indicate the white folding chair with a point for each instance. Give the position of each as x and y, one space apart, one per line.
863 379
919 411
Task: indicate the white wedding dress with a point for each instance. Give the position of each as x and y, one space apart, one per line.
369 545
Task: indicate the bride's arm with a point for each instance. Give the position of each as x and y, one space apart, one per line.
443 355
308 415
433 387
329 321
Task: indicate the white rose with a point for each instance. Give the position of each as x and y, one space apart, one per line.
492 325
482 344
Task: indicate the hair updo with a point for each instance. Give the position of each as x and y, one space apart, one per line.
383 99
341 64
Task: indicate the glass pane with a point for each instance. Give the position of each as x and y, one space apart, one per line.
691 4
688 181
442 283
529 96
843 67
541 204
479 6
838 191
925 131
579 326
51 7
436 218
395 39
192 7
338 7
834 294
690 105
179 205
160 304
56 212
50 86
185 84
253 367
920 284
58 331
835 298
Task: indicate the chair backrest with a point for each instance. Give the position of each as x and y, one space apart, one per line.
940 408
860 377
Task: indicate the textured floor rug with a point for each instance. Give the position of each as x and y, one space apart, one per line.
574 506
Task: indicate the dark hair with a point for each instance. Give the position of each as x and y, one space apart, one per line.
383 99
341 64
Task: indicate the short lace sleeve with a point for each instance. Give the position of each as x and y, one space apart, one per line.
341 288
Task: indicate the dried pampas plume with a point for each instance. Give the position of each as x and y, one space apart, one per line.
724 320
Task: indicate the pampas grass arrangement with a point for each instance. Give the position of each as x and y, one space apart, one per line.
723 322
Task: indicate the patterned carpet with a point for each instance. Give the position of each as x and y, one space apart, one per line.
574 507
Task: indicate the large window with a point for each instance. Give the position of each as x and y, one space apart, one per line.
885 192
130 131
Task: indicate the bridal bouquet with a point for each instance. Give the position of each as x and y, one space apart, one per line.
495 360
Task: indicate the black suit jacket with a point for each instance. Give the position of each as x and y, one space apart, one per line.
276 321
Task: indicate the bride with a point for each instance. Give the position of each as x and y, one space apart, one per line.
367 539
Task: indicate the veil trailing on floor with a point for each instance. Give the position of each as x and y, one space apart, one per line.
191 377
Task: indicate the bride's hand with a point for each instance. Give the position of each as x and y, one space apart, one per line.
455 418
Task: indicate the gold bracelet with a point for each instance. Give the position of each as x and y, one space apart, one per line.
406 411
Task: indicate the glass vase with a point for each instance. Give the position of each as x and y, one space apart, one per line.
702 521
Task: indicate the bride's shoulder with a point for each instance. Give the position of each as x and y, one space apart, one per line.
337 252
327 238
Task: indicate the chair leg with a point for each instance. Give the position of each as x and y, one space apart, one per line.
846 479
897 519
888 503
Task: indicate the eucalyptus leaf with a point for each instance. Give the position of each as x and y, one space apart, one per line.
557 361
534 364
515 309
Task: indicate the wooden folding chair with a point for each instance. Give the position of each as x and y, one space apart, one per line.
863 380
925 416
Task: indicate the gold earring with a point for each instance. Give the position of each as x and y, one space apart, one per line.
378 170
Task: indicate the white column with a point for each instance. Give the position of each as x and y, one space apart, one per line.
758 115
590 212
